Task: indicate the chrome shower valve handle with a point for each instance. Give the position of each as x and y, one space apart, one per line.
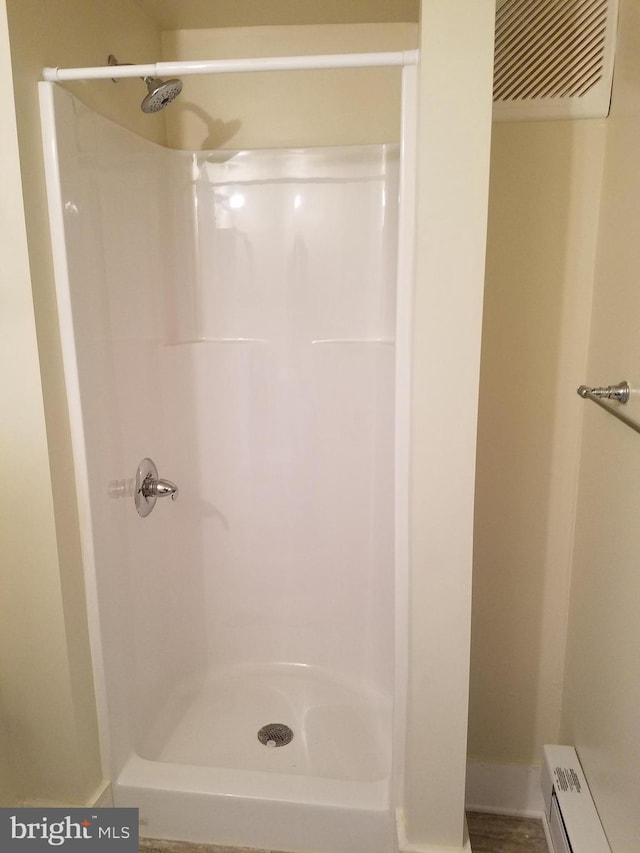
149 487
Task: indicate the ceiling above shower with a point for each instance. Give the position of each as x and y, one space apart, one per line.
204 14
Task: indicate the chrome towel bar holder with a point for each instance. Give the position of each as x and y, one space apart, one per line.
620 393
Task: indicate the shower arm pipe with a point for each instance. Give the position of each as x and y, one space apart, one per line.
234 66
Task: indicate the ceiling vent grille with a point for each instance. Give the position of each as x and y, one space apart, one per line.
553 59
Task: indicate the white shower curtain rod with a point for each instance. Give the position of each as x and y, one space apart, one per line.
229 66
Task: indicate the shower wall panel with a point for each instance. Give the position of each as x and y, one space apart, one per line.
233 318
115 197
288 347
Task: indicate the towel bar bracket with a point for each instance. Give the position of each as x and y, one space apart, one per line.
619 393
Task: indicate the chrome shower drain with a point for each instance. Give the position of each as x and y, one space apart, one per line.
275 734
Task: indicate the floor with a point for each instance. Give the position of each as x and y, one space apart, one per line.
488 833
499 834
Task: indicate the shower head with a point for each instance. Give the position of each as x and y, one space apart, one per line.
161 93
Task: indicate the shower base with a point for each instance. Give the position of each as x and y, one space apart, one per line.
201 774
338 732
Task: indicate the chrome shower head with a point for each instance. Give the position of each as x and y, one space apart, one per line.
161 93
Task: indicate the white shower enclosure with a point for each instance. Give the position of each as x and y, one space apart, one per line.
237 317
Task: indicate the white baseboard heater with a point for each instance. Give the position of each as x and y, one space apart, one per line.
574 824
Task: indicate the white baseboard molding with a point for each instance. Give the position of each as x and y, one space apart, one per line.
509 789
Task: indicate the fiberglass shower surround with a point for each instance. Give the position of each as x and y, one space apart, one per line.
248 639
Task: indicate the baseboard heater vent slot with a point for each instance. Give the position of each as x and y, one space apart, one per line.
574 824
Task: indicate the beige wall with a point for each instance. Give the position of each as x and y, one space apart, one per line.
21 425
287 109
191 14
557 498
602 694
76 33
543 218
47 692
8 795
42 744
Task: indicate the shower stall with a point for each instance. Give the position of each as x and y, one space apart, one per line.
235 329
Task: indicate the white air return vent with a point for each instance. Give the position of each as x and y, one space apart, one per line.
553 59
574 825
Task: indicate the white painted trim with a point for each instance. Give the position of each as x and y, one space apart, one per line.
509 789
404 846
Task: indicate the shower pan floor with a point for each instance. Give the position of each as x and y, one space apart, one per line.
339 732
